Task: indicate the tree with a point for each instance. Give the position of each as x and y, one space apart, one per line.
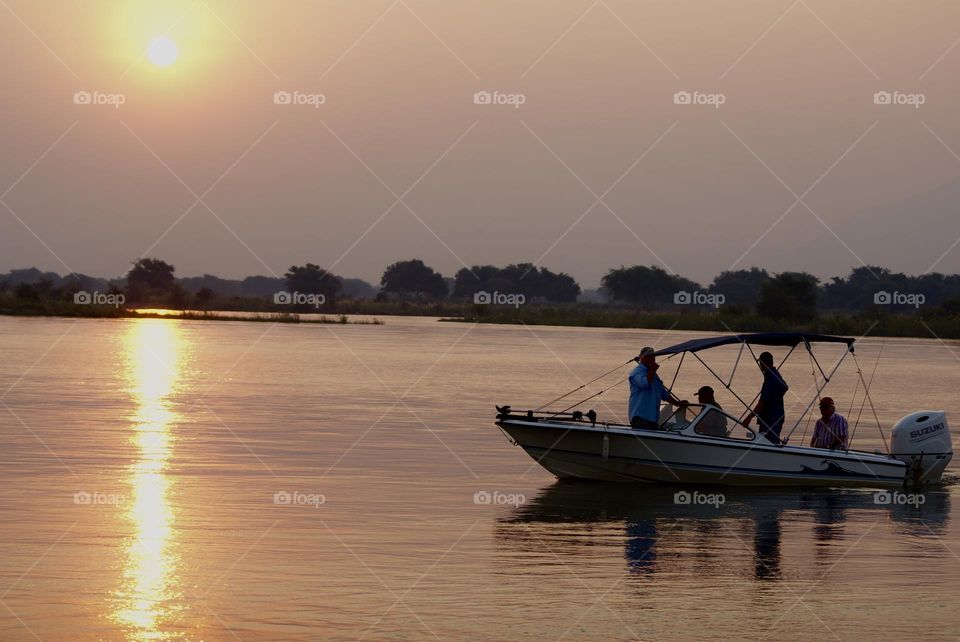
540 283
152 281
561 287
870 286
789 296
153 274
204 296
740 287
951 307
646 287
522 278
857 290
469 281
312 279
413 279
26 292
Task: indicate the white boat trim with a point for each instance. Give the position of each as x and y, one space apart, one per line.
558 446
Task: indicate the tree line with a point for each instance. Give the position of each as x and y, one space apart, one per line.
793 296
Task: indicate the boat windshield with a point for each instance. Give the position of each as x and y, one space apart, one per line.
708 420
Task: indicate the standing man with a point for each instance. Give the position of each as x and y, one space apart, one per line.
647 391
769 409
831 429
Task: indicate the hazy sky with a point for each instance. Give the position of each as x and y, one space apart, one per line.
697 188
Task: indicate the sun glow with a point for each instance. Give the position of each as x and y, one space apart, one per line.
168 40
162 52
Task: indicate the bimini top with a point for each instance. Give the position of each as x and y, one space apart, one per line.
788 339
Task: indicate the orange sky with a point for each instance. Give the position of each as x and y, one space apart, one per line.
201 167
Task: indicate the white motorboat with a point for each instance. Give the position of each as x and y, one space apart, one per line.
572 443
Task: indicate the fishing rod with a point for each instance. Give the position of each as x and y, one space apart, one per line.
581 387
594 380
591 412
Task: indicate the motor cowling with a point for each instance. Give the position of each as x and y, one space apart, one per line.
922 440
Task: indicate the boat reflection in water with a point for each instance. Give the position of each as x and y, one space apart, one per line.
153 349
661 533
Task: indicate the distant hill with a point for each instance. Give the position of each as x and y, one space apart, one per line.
29 275
32 275
358 289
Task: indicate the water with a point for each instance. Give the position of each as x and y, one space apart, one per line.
199 480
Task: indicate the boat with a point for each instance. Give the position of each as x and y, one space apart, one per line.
572 443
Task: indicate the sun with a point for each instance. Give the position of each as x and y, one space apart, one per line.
162 52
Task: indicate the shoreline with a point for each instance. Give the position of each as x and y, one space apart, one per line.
195 315
888 325
891 325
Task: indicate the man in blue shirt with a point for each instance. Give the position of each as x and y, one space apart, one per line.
647 391
769 409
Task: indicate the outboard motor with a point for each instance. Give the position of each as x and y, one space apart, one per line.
922 440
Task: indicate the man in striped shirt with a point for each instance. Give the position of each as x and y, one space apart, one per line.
831 429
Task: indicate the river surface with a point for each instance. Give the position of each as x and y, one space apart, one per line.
201 480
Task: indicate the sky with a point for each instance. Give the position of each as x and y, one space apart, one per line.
252 136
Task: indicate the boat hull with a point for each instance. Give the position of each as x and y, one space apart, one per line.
571 449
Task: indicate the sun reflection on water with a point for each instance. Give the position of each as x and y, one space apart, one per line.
153 349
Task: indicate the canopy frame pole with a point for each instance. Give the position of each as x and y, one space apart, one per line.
814 358
736 363
720 379
864 403
677 373
836 366
786 357
853 399
873 409
806 427
754 402
757 396
816 384
826 379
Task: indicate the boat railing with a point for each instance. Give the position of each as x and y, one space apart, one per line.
506 412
